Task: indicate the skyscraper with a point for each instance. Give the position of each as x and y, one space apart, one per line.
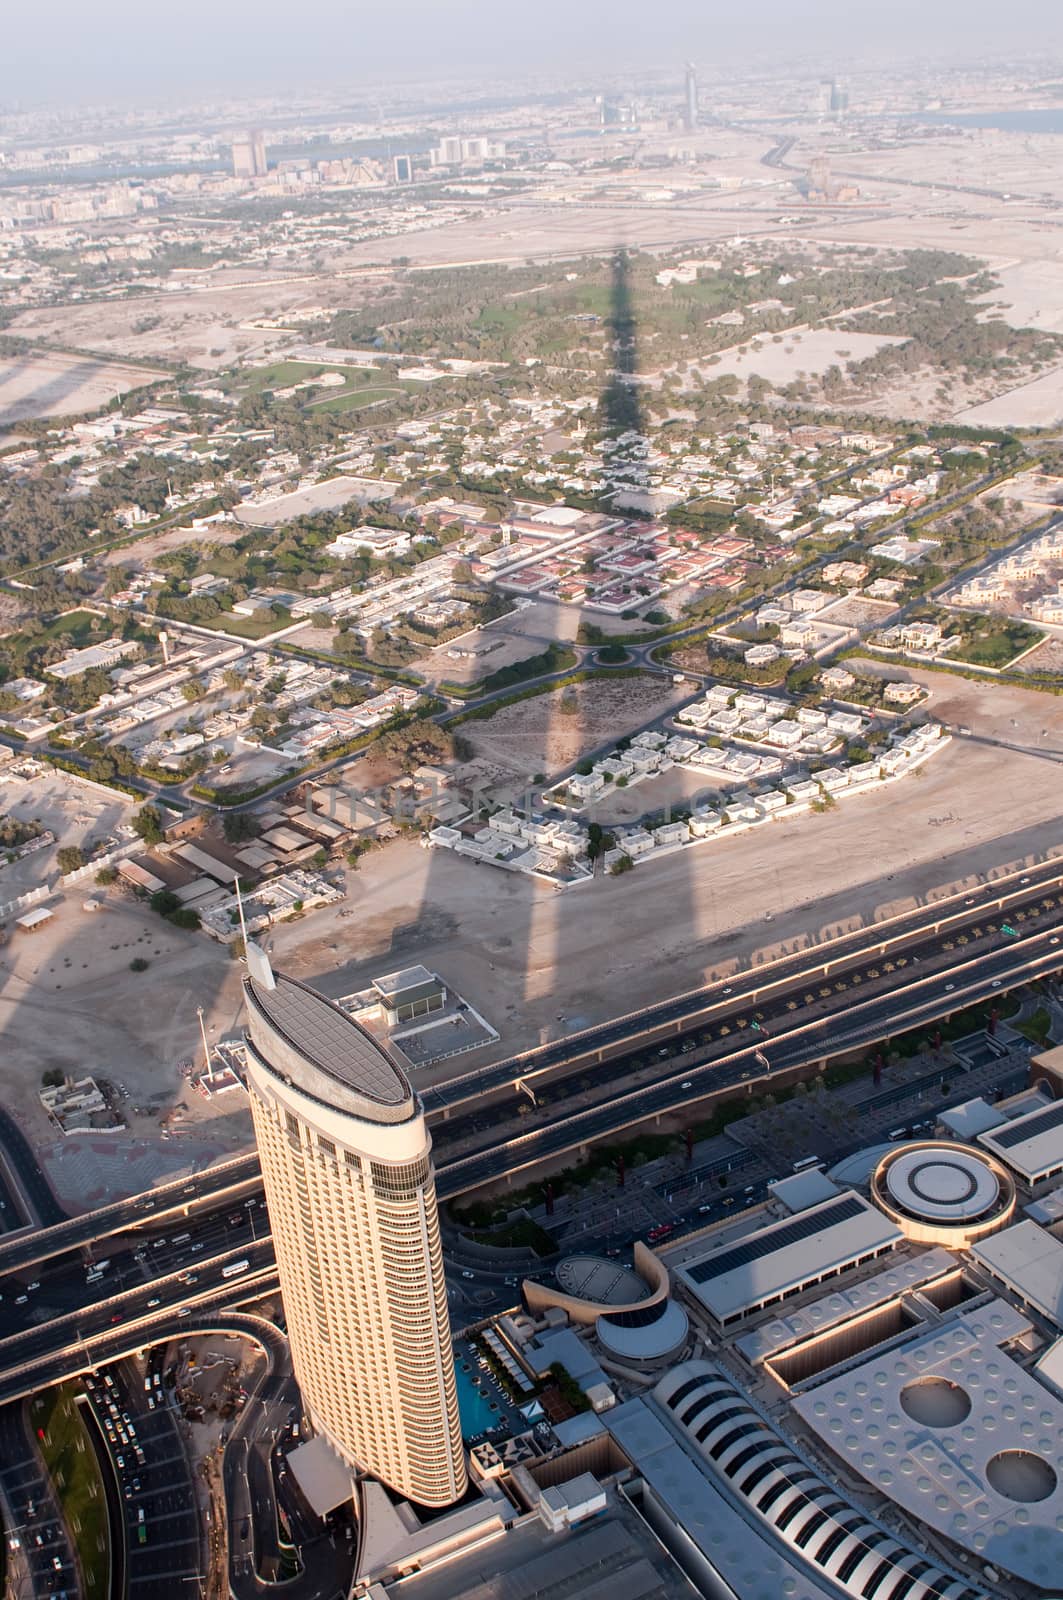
691 113
249 154
346 1163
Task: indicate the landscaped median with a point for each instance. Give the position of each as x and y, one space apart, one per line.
63 1441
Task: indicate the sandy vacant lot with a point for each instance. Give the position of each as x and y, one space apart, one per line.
781 358
1032 405
1048 657
327 496
145 551
854 612
59 804
53 385
538 736
521 952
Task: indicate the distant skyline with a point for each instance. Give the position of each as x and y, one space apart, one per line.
125 50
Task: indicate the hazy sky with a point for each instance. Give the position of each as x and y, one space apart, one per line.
134 49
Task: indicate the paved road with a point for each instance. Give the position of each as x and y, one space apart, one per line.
66 1341
27 1170
257 1480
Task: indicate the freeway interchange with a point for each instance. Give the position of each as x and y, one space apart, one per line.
167 1252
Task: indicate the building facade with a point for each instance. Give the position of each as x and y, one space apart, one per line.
347 1168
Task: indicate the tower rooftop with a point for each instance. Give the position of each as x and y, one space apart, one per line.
326 1050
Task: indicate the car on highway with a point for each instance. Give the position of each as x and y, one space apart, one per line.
686 1084
468 1274
155 1301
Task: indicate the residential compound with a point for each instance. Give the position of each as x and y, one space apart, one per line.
1026 583
761 758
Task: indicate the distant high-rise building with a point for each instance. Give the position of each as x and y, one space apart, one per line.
691 111
249 154
347 1169
839 99
615 113
402 169
455 150
824 93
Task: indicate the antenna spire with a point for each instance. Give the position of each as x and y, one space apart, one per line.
240 908
206 1046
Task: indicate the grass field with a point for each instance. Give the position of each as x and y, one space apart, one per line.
248 627
995 641
279 375
75 628
75 1473
355 399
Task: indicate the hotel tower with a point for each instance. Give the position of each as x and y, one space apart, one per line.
347 1167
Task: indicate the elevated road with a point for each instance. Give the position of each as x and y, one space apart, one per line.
685 1032
70 1341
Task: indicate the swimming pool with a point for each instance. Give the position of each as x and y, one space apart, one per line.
473 1404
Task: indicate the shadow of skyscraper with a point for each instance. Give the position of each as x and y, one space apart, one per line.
620 405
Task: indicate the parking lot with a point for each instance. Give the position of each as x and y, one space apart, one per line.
153 1478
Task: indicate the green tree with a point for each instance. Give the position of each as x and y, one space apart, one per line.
147 824
70 857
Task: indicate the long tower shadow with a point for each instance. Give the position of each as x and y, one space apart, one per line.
538 963
620 405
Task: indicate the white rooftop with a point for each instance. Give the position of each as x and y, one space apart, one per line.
960 1436
1032 1145
901 1277
1030 1261
752 1565
971 1118
789 1254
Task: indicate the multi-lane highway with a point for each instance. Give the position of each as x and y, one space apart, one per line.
167 1253
181 1275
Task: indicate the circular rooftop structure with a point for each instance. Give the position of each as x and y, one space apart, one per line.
607 1283
645 1336
938 1192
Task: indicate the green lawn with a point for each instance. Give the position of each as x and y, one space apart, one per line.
75 1473
355 399
77 624
994 642
247 627
1038 1027
279 375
